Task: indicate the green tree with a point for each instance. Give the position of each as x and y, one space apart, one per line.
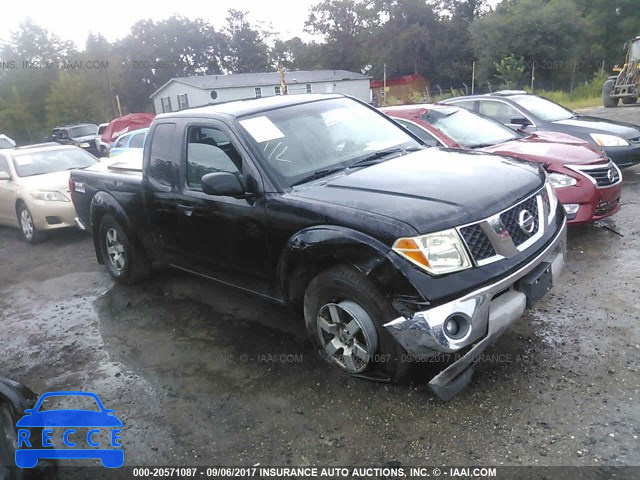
74 97
511 71
346 26
155 52
246 50
548 33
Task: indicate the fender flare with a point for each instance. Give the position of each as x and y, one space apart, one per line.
17 395
316 248
104 203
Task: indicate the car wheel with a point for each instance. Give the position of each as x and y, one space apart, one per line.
126 262
607 88
27 227
8 441
629 100
344 312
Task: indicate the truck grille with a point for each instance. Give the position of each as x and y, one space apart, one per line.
478 242
510 219
604 176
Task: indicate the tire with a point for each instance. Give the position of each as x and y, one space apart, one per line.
344 312
8 443
607 88
629 100
29 231
126 262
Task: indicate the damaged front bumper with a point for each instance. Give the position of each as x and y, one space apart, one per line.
482 315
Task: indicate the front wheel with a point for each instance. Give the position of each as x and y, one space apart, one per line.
344 313
125 261
28 228
607 88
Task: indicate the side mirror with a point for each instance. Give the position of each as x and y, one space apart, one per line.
223 184
5 176
520 121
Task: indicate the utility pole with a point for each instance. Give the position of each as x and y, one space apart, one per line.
533 74
118 103
384 81
283 83
473 76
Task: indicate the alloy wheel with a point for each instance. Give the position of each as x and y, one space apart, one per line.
347 335
115 250
26 223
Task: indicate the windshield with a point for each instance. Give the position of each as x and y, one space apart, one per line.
29 163
299 140
542 108
634 51
82 131
468 129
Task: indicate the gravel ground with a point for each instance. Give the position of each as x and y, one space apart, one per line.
202 374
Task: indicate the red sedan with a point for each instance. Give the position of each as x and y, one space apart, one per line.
587 183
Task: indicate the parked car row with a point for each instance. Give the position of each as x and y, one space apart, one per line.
389 249
587 183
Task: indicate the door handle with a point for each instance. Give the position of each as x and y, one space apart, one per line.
186 209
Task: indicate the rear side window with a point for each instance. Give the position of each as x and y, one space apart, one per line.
163 154
499 111
210 150
121 141
468 104
137 141
4 165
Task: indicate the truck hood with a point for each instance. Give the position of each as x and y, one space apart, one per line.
550 148
432 189
601 125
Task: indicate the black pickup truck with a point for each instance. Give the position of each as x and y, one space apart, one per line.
391 251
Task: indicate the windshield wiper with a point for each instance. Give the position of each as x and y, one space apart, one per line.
375 157
317 174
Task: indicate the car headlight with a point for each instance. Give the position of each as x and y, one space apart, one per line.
437 253
50 196
553 201
559 180
84 145
608 140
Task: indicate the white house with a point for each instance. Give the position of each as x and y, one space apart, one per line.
181 93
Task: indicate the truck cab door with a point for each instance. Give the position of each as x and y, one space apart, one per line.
220 236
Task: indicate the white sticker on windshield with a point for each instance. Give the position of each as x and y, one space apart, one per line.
23 160
261 129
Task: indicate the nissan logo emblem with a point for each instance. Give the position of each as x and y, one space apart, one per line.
610 175
526 222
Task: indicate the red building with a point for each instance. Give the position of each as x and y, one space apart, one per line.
401 88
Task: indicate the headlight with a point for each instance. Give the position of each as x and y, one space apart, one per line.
84 145
437 253
553 201
50 196
608 140
559 180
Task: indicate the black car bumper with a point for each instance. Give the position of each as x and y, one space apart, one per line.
624 156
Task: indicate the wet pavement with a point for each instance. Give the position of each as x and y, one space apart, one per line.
203 374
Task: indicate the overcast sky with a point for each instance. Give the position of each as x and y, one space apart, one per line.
74 19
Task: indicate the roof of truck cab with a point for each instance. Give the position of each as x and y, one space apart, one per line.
238 108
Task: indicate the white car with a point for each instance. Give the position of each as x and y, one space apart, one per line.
103 147
6 142
34 188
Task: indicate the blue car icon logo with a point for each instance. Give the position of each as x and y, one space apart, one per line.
104 430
